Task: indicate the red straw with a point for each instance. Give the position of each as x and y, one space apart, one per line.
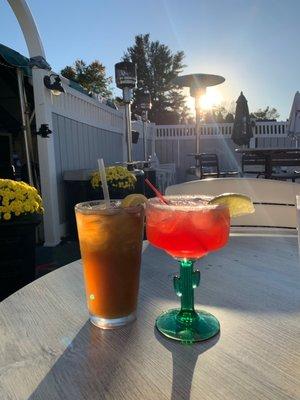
156 191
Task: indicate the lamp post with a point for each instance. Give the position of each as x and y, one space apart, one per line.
198 84
126 78
145 105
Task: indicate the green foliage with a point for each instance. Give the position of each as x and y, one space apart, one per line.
219 114
91 76
157 66
225 113
268 113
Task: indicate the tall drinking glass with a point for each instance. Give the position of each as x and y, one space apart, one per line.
187 228
111 245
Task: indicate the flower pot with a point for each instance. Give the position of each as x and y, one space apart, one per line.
114 194
17 249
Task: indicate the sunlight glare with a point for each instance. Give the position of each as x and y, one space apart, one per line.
190 103
211 99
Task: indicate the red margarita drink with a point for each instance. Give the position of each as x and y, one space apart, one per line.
188 227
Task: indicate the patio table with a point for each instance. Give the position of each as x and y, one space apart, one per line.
269 153
49 350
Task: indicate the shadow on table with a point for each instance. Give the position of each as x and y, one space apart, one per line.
184 360
88 366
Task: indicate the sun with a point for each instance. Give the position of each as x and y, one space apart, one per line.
211 99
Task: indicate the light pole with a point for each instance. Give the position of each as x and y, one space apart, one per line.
145 105
126 78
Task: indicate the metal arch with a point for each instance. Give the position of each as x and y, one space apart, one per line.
28 26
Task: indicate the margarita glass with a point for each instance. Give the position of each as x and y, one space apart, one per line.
187 228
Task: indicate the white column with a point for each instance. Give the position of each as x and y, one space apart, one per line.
124 139
47 165
43 115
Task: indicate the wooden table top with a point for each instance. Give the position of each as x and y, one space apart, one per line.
196 155
269 150
49 350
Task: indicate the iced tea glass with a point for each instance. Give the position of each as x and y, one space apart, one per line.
111 245
187 228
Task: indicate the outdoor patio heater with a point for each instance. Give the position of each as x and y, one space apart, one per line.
126 78
198 84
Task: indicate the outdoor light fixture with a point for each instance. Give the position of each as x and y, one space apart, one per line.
44 131
126 78
54 85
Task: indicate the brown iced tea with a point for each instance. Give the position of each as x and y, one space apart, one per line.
111 246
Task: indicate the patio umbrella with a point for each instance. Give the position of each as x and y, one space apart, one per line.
293 128
242 129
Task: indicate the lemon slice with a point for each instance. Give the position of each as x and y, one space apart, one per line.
133 200
238 204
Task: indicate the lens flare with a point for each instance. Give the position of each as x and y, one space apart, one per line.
212 98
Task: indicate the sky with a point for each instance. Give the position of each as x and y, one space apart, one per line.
253 44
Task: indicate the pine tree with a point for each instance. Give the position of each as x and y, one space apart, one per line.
157 66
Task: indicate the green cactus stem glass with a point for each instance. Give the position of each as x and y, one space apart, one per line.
187 228
186 324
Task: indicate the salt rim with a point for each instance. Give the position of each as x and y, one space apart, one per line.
157 204
98 207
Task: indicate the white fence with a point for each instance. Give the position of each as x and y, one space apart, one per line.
173 143
138 149
80 107
83 130
261 130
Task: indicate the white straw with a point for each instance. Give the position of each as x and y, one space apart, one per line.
104 182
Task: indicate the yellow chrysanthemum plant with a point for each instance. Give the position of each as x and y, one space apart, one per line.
18 200
119 179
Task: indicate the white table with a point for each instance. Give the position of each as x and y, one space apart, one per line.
49 350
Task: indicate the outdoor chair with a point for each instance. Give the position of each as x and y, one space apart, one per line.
274 201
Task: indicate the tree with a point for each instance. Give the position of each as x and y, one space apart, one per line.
266 114
157 66
219 114
91 76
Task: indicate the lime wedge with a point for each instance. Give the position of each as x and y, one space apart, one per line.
133 200
238 204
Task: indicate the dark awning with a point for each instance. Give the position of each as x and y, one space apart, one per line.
15 59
